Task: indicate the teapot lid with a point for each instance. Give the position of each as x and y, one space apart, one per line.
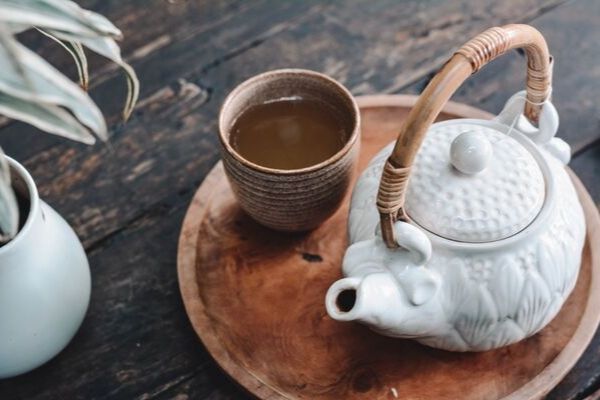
473 183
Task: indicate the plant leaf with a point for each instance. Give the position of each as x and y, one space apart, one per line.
96 21
133 90
76 51
9 210
47 117
27 76
108 48
64 15
85 78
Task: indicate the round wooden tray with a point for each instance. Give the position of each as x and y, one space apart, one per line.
256 300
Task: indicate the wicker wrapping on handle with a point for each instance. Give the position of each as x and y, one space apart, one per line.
467 60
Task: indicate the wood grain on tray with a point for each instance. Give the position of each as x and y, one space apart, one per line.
256 299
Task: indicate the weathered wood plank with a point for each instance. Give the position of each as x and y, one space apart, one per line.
147 27
171 141
226 33
212 28
594 396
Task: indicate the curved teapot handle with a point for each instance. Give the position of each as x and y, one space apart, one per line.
466 61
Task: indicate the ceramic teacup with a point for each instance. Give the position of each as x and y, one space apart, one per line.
297 199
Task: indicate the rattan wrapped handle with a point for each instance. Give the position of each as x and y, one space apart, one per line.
466 61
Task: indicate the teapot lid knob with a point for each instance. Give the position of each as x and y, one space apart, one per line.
471 152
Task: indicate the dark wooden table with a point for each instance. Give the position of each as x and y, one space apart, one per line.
127 199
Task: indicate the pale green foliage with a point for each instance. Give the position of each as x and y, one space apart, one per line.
33 91
9 211
75 49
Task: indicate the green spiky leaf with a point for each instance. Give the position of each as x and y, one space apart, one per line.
47 117
75 49
9 210
108 48
27 76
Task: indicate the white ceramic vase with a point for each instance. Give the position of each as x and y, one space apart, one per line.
44 285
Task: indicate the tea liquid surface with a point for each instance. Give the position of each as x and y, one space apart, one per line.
288 134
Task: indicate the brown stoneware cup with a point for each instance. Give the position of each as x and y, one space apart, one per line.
297 199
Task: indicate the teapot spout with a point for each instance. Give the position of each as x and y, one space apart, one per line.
341 299
408 307
367 299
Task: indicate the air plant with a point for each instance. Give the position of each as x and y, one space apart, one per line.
33 91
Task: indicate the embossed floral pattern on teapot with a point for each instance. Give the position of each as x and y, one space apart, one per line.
466 235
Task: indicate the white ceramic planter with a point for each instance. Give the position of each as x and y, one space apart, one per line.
44 285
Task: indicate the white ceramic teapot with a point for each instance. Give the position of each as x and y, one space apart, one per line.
467 234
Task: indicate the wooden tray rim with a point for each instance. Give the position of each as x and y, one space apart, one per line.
536 388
